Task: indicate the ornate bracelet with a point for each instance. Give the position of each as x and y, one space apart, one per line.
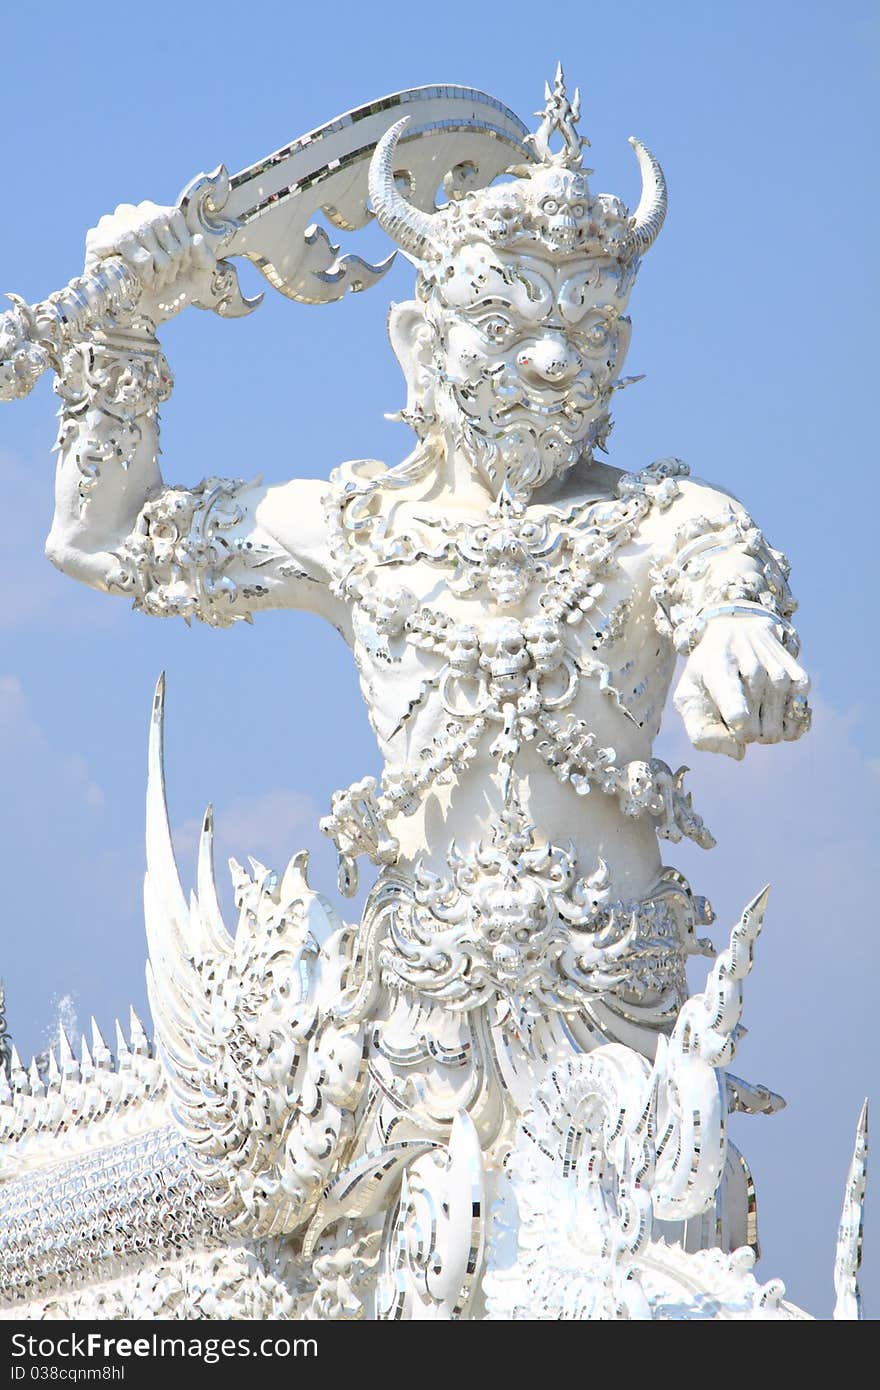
688 633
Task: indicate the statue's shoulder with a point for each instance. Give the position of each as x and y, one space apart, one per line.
700 497
677 493
674 493
294 513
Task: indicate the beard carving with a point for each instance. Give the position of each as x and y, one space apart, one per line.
510 443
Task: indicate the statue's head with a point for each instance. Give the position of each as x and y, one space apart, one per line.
514 343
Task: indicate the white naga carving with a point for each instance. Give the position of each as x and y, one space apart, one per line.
610 1143
491 1096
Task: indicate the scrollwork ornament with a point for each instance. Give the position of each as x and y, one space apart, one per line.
176 561
514 922
111 387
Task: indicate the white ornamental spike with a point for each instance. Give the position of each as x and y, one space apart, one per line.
692 1095
122 1048
241 881
69 1064
709 1023
259 870
163 878
140 1043
209 902
5 1088
100 1051
35 1081
17 1074
848 1307
174 932
53 1071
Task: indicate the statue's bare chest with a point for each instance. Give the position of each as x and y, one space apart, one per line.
499 655
543 612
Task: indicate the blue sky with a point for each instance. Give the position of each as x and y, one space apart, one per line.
754 319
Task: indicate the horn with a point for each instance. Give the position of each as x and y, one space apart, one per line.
407 225
649 215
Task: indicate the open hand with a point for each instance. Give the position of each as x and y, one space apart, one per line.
740 686
174 265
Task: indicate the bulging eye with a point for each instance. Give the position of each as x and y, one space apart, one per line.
550 206
497 329
578 209
595 334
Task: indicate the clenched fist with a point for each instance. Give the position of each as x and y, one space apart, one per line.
174 265
740 686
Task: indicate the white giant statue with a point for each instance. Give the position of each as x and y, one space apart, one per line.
491 1097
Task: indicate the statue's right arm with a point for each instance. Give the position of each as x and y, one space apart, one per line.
218 551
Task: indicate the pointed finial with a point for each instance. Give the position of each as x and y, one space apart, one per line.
140 1043
559 117
53 1072
17 1073
848 1307
100 1051
69 1064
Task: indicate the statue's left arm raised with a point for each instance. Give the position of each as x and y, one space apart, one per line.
216 551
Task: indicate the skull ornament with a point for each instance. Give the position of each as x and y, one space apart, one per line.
508 569
504 655
544 641
390 611
638 792
463 650
562 205
514 920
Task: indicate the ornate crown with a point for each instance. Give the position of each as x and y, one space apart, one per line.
549 206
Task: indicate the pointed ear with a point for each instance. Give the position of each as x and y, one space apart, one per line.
412 339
